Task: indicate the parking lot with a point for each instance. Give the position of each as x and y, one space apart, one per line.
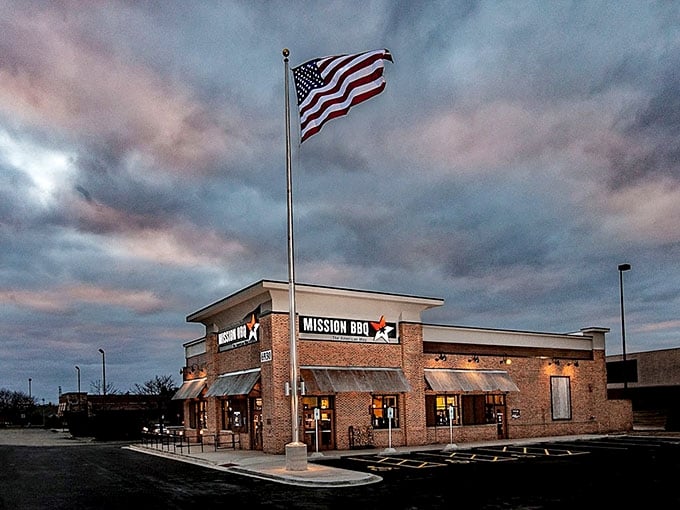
642 448
614 472
622 472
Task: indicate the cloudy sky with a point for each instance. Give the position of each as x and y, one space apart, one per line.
519 153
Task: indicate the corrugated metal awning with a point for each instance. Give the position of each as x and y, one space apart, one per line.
236 383
469 380
189 389
340 379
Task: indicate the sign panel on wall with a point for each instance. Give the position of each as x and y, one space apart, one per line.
348 330
242 334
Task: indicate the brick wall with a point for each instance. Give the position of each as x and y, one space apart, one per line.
591 412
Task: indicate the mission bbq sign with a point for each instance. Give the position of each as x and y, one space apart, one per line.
348 330
237 336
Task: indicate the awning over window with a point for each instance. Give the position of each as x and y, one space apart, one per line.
189 389
339 379
469 380
237 383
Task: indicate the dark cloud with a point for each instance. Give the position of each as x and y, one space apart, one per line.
517 155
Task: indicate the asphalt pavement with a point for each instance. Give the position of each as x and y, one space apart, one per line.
257 464
271 467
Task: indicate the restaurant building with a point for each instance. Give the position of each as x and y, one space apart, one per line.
371 373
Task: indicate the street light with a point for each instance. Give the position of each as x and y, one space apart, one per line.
78 370
29 388
622 268
103 371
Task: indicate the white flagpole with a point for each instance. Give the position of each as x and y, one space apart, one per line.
296 452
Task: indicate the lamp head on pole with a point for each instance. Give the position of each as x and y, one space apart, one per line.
624 267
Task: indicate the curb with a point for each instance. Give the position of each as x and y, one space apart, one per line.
264 472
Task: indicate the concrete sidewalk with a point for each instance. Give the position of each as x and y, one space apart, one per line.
266 466
273 467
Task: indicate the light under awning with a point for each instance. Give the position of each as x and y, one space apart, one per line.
466 381
189 389
237 383
341 379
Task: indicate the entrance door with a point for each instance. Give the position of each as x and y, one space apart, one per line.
256 423
327 430
318 415
496 413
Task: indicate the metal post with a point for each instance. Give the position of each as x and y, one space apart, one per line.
390 416
622 268
78 371
291 270
103 372
296 452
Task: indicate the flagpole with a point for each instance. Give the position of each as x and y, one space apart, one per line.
296 452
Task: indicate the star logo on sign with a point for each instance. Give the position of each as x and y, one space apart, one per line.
382 330
253 326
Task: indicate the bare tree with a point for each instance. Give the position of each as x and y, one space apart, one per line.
160 385
14 404
96 388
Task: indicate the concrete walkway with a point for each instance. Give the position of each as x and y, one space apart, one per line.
265 466
273 467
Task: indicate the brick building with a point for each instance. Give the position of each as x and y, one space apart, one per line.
115 416
651 381
371 373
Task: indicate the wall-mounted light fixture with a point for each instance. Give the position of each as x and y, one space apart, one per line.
506 361
441 357
555 361
473 359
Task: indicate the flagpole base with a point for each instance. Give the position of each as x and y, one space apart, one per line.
450 447
296 457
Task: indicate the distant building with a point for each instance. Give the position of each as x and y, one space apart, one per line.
115 416
651 380
372 374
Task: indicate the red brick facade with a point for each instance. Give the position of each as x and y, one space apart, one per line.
526 413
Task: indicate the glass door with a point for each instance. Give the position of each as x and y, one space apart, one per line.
318 416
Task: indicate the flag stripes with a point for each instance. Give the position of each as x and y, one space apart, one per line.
328 87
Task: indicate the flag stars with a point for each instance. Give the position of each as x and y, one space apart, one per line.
307 78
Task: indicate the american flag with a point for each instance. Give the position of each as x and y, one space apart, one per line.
328 87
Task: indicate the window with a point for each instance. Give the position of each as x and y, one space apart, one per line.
481 409
192 415
202 414
198 416
474 409
437 412
379 411
560 396
225 415
233 413
495 404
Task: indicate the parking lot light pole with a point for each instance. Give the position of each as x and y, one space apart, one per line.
622 268
103 372
78 371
